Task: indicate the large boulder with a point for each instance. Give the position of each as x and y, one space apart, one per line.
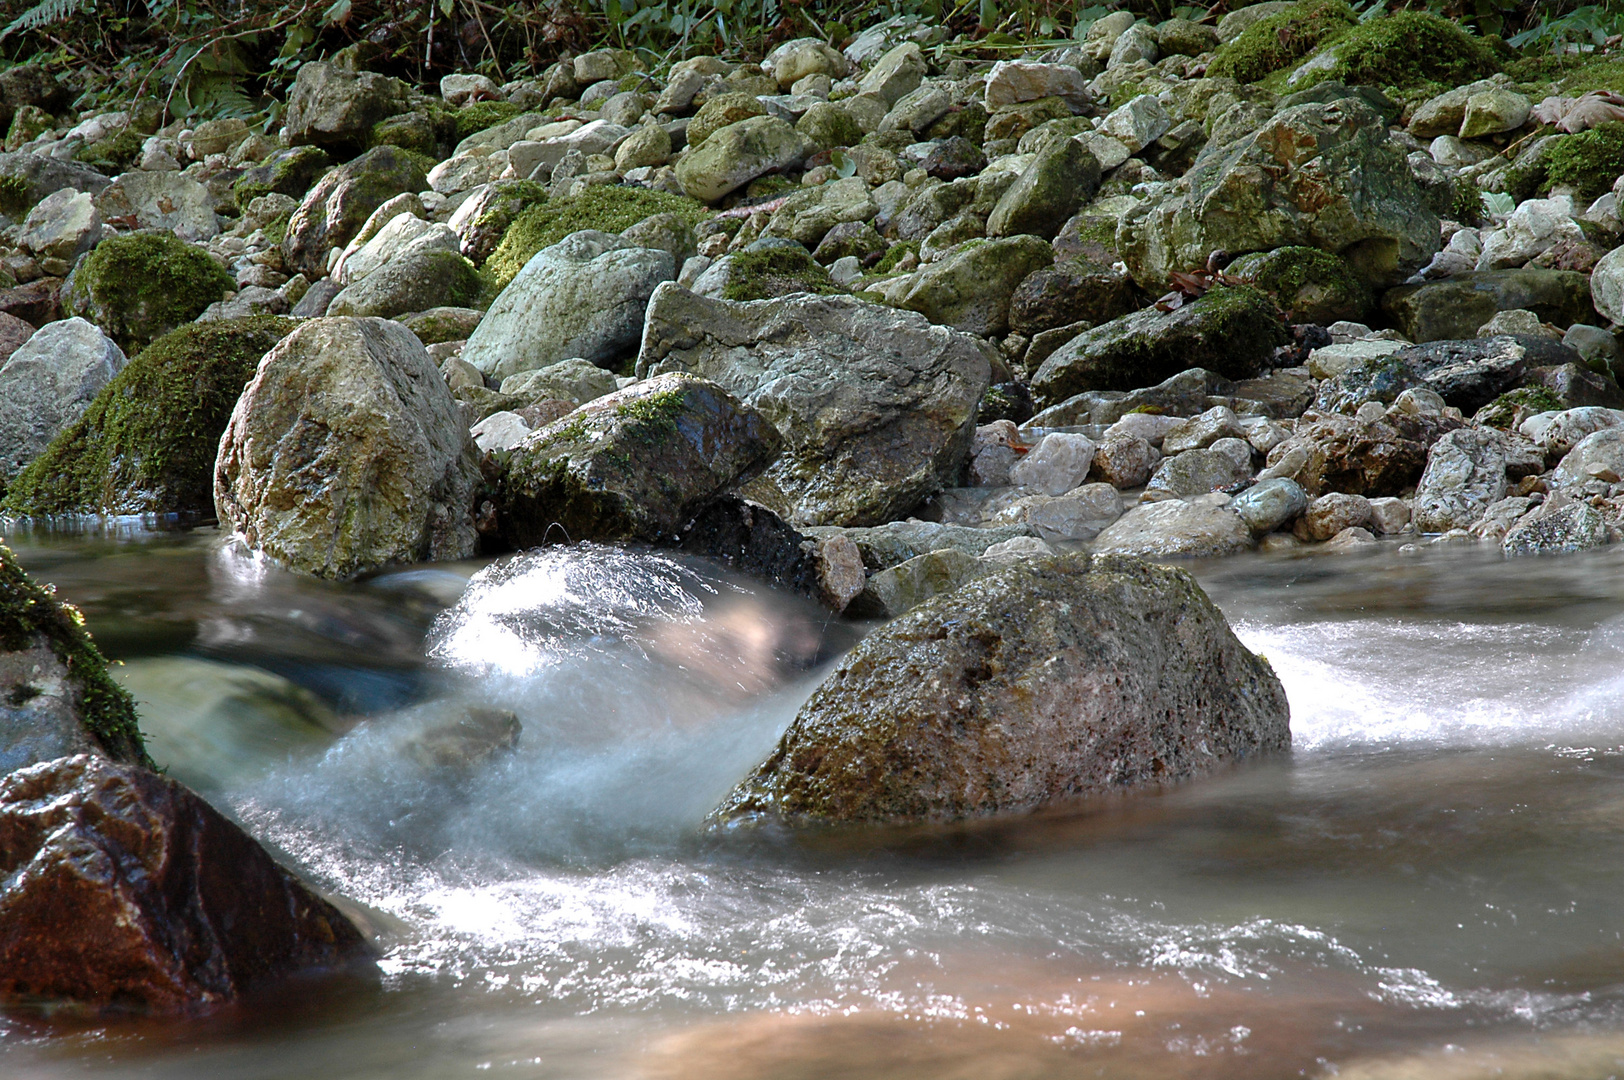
348 453
161 200
1051 679
1454 307
632 465
1063 177
147 442
139 287
1174 529
1231 331
56 697
1071 291
582 297
877 407
47 384
970 289
120 887
739 153
334 106
1315 175
334 210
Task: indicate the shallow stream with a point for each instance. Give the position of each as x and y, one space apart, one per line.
1431 884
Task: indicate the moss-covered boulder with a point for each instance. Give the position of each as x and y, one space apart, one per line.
335 209
416 281
605 208
484 216
56 697
1072 291
1588 162
482 115
1281 40
1404 50
633 465
139 287
335 106
1232 331
440 324
775 271
739 153
1049 680
1310 285
970 289
147 442
719 112
111 154
290 172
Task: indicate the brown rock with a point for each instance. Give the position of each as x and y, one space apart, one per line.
122 888
38 302
14 332
1370 459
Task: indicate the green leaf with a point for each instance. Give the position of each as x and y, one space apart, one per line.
448 7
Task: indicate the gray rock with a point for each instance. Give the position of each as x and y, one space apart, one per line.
333 212
901 588
1125 461
63 226
1572 527
1198 472
347 453
876 406
1138 123
1596 458
1051 678
1176 529
162 200
1060 179
1059 462
1329 515
1080 514
896 542
1453 308
1012 82
635 464
48 383
584 297
895 74
37 176
573 379
1200 432
1269 504
416 281
334 106
1466 471
739 153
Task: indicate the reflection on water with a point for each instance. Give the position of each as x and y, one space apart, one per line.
1428 886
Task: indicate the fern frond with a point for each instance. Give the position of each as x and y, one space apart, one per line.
45 13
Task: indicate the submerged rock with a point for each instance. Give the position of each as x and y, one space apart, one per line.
877 407
122 888
347 453
1050 679
635 464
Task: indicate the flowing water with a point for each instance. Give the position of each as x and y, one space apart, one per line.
1431 884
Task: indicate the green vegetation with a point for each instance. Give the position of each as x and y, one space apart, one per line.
894 254
29 611
1311 285
147 442
15 196
140 286
483 114
610 208
112 155
1280 41
777 271
1502 411
1411 49
1588 162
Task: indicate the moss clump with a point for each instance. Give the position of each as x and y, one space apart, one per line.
1467 205
1278 42
1311 285
141 286
1588 162
14 196
29 611
1407 50
1585 77
288 172
894 254
147 442
112 155
480 115
776 271
1504 411
608 207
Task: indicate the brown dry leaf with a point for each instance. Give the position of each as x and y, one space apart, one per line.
1574 115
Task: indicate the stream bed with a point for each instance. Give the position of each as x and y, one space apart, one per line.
1429 885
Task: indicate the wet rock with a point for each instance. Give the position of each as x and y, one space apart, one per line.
47 384
1270 504
333 211
901 588
332 106
1574 526
1466 471
1049 679
1200 432
1079 514
1125 461
1231 331
1329 515
1184 394
635 464
1176 529
582 297
1329 452
1058 463
876 406
895 543
121 888
347 453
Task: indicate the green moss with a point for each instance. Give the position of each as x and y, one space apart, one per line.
140 286
147 442
1280 41
28 611
1407 51
480 115
608 207
773 272
289 172
1589 162
1600 75
1467 205
888 261
1313 286
1503 411
112 155
409 131
14 196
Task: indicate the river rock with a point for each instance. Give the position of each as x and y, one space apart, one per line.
348 453
574 380
582 297
1071 291
1466 471
1329 452
121 887
1230 331
896 542
1596 458
1062 177
414 281
1454 307
1079 514
34 177
161 200
63 226
1225 467
1050 679
896 74
1176 529
970 290
1269 504
901 588
739 153
1011 82
1331 514
1137 123
877 407
47 383
1315 175
1573 526
1058 463
1200 432
333 211
1124 460
794 60
334 106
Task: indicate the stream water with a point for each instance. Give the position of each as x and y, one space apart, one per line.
1429 885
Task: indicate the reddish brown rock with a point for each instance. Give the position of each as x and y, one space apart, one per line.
14 333
1348 455
123 889
38 302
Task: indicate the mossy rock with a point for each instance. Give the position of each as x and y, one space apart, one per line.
1504 410
147 443
895 254
113 155
1406 50
1588 162
31 615
509 199
606 207
15 196
1280 41
286 172
776 271
141 286
441 324
480 115
29 123
416 131
1310 285
415 282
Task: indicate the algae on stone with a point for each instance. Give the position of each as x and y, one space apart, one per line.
1588 162
140 286
777 271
